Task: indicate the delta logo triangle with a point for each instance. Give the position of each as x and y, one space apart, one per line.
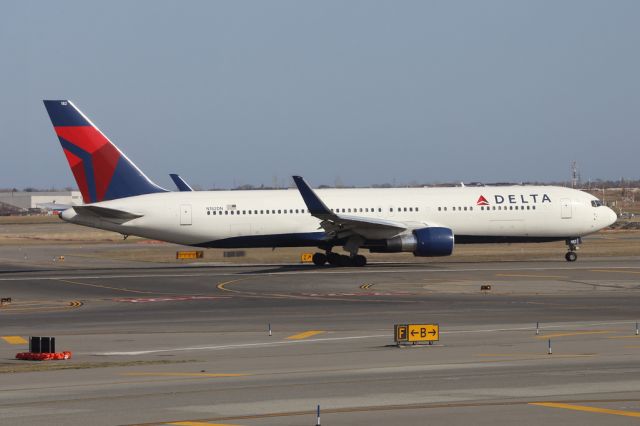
482 201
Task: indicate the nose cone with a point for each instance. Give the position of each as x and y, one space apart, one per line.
611 216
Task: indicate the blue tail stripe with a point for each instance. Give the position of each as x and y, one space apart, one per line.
86 163
128 182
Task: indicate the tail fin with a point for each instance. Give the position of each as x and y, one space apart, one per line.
101 170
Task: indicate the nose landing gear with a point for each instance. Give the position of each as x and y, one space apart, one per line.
573 244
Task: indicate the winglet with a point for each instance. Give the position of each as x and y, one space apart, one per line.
314 203
182 185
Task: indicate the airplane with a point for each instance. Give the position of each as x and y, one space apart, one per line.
427 222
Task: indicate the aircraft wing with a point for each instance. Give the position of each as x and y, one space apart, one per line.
340 226
182 185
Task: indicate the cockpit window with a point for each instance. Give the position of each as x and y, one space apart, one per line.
596 203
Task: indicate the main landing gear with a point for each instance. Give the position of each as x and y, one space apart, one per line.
571 255
336 259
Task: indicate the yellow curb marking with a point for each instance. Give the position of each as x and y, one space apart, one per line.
305 334
14 340
587 409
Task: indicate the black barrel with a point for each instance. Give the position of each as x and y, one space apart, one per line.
34 345
45 344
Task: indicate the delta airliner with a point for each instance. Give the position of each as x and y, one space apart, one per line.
119 197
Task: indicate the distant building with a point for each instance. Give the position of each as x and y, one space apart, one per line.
31 200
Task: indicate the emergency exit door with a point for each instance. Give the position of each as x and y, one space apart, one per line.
185 214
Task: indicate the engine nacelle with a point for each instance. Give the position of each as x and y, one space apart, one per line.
433 241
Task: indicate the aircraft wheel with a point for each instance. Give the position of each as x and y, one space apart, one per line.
359 260
333 259
571 256
319 259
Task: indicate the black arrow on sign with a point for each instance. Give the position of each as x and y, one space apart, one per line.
413 332
432 332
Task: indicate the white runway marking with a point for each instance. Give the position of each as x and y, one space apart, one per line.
333 339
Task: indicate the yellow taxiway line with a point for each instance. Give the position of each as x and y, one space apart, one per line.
531 276
199 424
574 333
164 374
587 409
305 334
14 340
615 270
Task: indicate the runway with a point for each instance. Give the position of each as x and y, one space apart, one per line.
190 345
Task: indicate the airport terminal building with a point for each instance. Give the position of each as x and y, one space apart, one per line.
22 201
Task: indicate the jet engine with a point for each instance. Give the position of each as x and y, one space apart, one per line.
424 242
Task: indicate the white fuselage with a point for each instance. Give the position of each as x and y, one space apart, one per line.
272 218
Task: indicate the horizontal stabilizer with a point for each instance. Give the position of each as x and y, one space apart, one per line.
106 213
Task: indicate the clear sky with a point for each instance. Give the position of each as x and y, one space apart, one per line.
245 92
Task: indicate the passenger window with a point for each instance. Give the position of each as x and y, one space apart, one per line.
391 209
416 209
410 209
465 209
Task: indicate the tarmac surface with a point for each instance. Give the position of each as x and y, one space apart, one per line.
190 345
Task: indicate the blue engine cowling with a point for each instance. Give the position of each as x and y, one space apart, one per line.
432 241
435 241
